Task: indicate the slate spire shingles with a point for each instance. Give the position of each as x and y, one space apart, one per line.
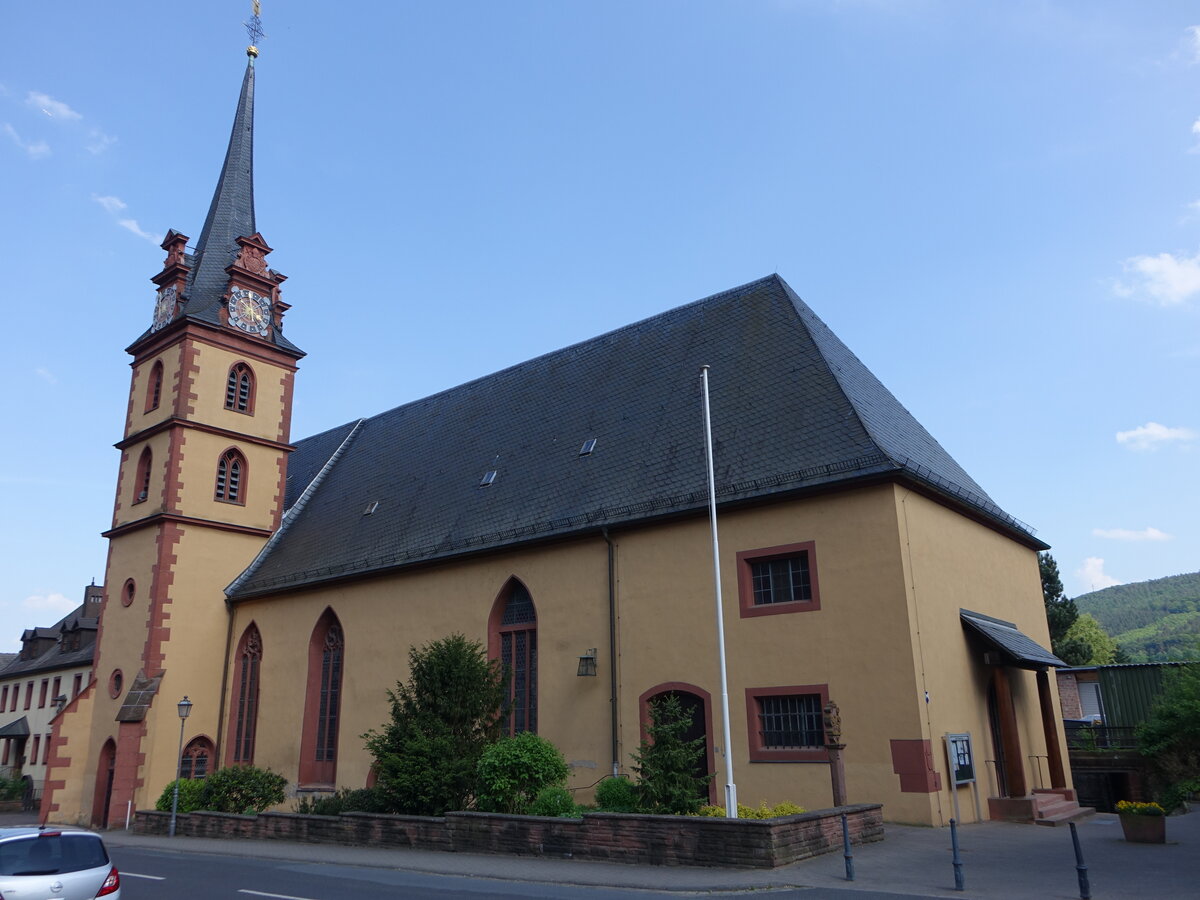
793 411
231 213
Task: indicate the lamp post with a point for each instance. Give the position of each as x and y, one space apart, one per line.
185 710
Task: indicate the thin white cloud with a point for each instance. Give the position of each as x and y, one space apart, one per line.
55 109
35 150
1152 435
1166 279
1093 575
54 603
46 375
132 226
1193 41
98 141
111 204
1124 534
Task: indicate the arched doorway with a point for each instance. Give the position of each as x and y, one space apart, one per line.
697 703
105 766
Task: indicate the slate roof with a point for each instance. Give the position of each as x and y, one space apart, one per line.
1022 650
793 409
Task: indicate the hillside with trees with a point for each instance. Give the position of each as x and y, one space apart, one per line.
1151 621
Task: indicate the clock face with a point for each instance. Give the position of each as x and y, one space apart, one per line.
249 312
164 307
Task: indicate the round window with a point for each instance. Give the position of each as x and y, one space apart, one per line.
115 681
128 592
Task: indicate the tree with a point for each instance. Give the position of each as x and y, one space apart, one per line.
442 719
1170 737
1102 649
1061 613
666 764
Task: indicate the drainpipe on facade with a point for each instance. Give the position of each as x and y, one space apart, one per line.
612 648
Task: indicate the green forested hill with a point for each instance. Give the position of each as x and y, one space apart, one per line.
1151 620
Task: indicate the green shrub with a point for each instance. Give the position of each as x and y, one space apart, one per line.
762 811
616 795
450 709
242 789
553 801
191 790
514 770
370 800
667 765
12 788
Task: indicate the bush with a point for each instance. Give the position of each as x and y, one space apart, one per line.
450 709
242 789
667 765
513 771
1170 737
12 788
762 811
191 790
553 801
616 795
370 800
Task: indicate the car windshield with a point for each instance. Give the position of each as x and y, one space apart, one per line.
51 854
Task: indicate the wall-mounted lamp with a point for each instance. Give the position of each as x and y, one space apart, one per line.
587 663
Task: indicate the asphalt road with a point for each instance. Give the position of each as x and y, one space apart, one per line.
156 874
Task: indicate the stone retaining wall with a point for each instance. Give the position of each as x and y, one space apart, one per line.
615 837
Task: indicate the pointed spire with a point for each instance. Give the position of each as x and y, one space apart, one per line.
231 214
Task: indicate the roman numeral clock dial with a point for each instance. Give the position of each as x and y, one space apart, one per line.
249 312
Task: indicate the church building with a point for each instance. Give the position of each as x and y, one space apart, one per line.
556 512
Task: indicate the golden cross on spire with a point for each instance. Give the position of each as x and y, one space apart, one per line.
254 29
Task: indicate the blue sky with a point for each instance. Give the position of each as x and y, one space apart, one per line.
995 205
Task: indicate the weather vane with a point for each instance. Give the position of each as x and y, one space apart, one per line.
254 28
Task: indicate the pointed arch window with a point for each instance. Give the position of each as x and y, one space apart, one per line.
322 705
154 386
196 759
239 389
512 638
231 477
141 482
244 726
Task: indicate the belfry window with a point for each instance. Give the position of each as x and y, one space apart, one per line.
231 477
154 386
239 389
141 489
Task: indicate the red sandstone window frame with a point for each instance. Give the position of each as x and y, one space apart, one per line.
56 690
243 714
77 686
240 389
3 697
16 693
322 703
745 575
43 690
29 695
37 745
46 750
128 592
141 489
759 751
232 475
154 387
197 758
515 645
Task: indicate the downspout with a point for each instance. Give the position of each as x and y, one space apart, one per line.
224 685
612 649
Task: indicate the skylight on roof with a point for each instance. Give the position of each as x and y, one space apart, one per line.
588 446
371 507
488 478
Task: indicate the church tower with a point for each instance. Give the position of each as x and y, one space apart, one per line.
199 490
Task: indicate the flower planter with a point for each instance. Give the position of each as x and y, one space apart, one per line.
1144 829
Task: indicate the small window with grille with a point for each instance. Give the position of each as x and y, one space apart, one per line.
786 724
778 580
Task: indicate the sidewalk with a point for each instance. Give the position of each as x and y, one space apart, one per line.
1001 861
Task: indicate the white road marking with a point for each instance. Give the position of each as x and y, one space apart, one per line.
277 896
125 874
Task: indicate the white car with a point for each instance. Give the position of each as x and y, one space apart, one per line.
50 864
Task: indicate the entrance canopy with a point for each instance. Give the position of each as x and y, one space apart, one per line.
17 729
1016 649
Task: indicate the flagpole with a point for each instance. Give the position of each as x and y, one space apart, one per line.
731 806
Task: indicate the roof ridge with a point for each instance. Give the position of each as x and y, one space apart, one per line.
289 515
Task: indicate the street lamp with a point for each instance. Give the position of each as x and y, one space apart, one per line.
185 710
